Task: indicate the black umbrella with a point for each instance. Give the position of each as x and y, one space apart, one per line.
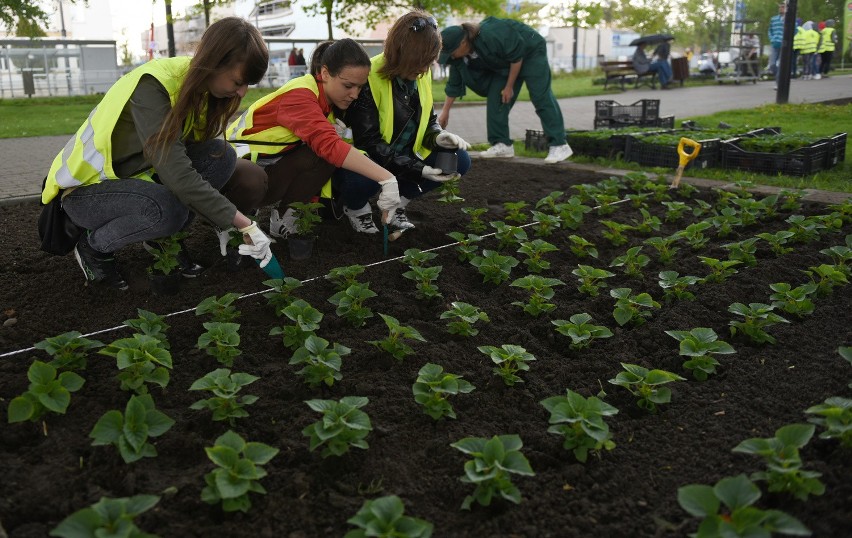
650 39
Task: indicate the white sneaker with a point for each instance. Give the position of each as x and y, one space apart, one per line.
399 220
558 154
817 76
284 225
362 219
499 150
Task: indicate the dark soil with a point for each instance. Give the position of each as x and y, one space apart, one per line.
630 491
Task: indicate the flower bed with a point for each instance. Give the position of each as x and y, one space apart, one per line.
53 470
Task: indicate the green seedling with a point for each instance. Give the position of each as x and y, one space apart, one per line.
350 303
592 280
649 223
545 224
756 318
476 224
720 270
631 309
424 278
581 423
307 217
384 516
646 384
675 286
535 251
804 229
665 247
724 197
606 203
694 234
835 415
571 213
150 324
514 212
549 202
414 257
826 277
343 425
685 190
462 317
130 432
166 256
675 211
540 290
306 321
494 461
321 363
581 247
344 277
845 210
219 309
615 232
699 345
726 221
832 222
238 473
509 236
792 300
783 464
585 192
701 208
432 388
632 262
580 330
221 341
68 350
107 518
449 192
397 333
769 209
281 295
47 391
226 404
467 245
142 359
639 200
727 509
494 267
777 241
743 251
842 257
750 210
510 359
846 353
791 200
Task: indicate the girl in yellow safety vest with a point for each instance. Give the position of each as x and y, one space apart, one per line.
148 157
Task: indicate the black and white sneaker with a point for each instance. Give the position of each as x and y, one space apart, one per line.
362 219
98 267
399 220
188 267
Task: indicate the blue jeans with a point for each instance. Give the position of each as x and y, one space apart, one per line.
663 70
356 190
119 212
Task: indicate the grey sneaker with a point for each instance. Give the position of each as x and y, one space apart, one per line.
362 219
98 267
284 225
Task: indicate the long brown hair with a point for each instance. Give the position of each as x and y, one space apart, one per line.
413 42
338 55
225 44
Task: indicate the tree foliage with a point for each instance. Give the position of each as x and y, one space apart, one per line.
24 16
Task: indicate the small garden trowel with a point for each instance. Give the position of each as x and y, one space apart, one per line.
273 268
392 236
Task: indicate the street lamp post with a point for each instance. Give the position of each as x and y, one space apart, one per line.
64 47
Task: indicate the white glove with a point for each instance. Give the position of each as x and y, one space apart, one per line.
450 141
259 247
389 198
342 130
436 174
224 236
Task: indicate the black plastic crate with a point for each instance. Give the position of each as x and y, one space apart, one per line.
595 147
801 162
648 154
664 122
836 153
535 141
640 111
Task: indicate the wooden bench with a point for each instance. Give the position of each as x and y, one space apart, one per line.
622 72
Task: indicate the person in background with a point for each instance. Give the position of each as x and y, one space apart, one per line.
293 134
776 37
300 57
643 65
291 60
149 156
798 43
664 50
707 66
494 59
810 40
827 45
393 121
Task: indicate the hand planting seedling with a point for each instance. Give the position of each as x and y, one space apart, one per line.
107 517
510 359
580 421
221 341
394 343
783 464
462 317
738 517
694 234
225 387
675 286
220 309
414 257
142 359
424 278
629 308
535 251
777 241
384 517
432 388
581 332
344 277
68 350
615 232
541 291
130 432
591 279
632 262
508 236
649 223
150 324
645 384
350 303
514 212
494 267
545 224
756 317
581 247
743 251
720 270
699 345
282 293
239 469
494 461
792 300
343 425
306 320
46 392
321 363
476 225
835 415
467 245
826 277
665 247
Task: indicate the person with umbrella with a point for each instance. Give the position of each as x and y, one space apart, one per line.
643 65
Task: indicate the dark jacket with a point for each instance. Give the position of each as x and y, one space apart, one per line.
362 117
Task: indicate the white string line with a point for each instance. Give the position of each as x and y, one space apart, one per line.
252 294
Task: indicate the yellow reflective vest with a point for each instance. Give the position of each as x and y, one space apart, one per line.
87 157
799 39
827 43
811 39
382 91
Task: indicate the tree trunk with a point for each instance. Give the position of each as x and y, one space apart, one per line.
328 21
206 13
170 29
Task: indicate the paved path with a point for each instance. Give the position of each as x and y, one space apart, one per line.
25 161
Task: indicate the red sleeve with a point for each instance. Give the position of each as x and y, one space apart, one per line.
301 112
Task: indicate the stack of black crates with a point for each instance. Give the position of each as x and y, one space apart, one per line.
642 113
